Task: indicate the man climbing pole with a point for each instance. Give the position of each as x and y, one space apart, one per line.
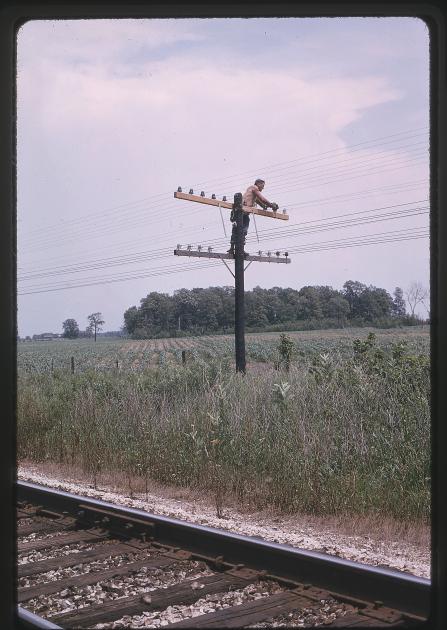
251 197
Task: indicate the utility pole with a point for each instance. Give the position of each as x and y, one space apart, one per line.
239 260
239 301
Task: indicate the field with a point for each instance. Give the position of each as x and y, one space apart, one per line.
344 428
129 355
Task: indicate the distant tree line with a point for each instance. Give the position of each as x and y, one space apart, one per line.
204 311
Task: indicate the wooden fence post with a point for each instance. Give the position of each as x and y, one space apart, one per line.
72 365
184 357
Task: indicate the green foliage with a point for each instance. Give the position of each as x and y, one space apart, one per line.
286 350
134 356
95 324
201 311
71 329
347 430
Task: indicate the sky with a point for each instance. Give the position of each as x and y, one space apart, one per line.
114 115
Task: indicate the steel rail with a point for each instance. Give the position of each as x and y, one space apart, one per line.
28 620
406 593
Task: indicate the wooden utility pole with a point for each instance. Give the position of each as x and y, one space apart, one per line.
239 302
239 260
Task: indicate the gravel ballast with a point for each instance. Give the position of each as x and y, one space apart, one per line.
369 548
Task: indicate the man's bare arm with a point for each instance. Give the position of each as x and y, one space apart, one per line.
264 202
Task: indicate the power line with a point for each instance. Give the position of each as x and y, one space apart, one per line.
145 275
120 208
359 241
100 231
389 189
349 147
348 220
268 235
123 216
316 172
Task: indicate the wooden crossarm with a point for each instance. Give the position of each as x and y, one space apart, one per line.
197 254
228 205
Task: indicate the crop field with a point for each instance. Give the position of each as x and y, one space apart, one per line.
134 356
343 427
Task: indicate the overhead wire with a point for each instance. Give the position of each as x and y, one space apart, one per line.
84 221
100 231
354 242
348 219
282 179
351 147
362 194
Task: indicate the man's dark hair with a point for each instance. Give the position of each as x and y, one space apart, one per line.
259 181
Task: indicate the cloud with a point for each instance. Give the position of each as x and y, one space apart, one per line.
191 96
111 115
99 41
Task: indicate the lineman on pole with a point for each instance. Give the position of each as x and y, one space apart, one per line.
251 197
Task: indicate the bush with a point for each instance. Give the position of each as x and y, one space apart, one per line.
335 434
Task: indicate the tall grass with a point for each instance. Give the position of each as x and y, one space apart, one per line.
331 435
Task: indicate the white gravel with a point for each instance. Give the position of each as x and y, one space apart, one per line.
145 580
368 549
208 604
81 569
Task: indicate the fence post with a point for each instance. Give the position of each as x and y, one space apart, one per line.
184 357
117 365
72 365
52 365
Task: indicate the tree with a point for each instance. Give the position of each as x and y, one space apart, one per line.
374 303
311 303
398 308
71 329
416 294
338 308
95 324
352 290
131 319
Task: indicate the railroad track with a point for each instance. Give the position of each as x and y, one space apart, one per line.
84 562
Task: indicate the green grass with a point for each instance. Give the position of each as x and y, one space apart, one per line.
345 430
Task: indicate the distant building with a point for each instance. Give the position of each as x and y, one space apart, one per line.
46 336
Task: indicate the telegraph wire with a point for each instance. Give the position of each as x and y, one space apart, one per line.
352 160
339 149
123 216
119 208
348 220
335 170
355 242
362 194
101 231
109 281
299 229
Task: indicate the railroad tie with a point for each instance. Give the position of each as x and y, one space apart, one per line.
86 579
43 526
100 552
183 593
261 609
70 538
